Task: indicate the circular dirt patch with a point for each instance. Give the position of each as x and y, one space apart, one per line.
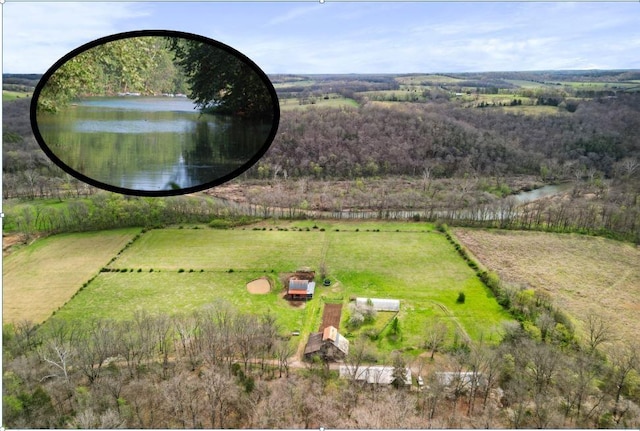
259 286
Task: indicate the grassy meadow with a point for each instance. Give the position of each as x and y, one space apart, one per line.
176 270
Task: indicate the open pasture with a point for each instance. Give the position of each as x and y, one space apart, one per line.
222 250
41 277
583 274
406 261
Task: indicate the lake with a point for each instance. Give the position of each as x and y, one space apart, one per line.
150 143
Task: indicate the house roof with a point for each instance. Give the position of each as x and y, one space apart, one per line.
447 378
314 344
331 335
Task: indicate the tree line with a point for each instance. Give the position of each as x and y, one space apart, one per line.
136 64
216 79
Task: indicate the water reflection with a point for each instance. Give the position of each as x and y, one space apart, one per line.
128 144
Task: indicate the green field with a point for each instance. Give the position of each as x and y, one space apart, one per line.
41 277
332 102
180 270
12 95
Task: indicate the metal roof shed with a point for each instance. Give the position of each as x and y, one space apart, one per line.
380 304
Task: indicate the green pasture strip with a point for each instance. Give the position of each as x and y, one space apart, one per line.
294 83
526 84
534 110
222 250
418 79
118 295
42 277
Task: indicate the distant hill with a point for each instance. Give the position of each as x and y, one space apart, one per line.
20 81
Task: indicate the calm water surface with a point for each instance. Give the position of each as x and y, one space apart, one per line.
150 143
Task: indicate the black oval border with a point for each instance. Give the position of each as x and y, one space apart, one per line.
154 193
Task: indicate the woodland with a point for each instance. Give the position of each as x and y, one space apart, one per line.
448 149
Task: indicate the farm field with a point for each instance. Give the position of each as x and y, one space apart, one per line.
176 270
334 101
39 278
8 95
583 274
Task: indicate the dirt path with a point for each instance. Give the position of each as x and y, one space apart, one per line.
450 315
9 240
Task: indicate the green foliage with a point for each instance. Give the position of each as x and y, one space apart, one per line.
394 328
221 82
461 298
137 64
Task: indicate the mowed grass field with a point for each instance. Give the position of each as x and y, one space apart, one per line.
583 274
41 277
181 270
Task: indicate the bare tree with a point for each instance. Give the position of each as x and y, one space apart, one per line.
624 360
221 393
283 351
436 334
598 331
98 343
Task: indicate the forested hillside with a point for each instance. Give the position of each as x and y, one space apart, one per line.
453 141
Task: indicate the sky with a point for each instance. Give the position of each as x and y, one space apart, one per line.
347 37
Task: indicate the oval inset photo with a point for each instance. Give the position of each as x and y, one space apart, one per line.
155 113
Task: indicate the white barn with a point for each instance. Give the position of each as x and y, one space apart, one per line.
380 304
375 374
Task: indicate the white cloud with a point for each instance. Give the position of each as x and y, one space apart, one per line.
294 14
36 35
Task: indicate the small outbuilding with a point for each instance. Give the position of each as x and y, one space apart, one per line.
380 304
375 374
301 289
